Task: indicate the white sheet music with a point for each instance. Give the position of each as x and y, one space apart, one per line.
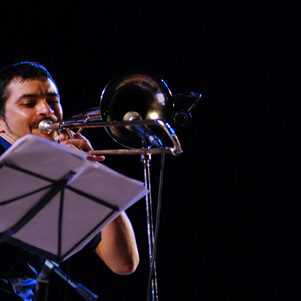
80 213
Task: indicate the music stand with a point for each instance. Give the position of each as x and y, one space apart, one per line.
54 201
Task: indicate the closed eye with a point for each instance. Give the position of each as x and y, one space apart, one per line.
30 100
29 104
52 101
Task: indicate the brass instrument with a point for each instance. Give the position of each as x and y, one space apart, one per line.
129 105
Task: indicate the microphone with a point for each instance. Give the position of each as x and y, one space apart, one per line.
147 135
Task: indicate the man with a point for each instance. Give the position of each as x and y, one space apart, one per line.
28 94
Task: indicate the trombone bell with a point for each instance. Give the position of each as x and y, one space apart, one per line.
139 95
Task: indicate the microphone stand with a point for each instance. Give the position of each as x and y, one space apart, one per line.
146 159
51 266
181 117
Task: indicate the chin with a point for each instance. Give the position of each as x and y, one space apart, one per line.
53 136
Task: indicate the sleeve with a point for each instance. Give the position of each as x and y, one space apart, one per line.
2 149
94 242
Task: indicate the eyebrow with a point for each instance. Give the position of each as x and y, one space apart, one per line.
33 95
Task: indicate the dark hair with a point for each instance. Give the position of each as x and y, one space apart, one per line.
24 70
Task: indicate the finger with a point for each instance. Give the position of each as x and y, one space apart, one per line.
79 144
95 158
69 145
63 136
87 143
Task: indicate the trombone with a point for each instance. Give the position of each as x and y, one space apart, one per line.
47 126
136 111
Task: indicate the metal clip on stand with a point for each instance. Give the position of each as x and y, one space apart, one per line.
51 266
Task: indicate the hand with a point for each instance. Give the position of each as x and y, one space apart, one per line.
79 142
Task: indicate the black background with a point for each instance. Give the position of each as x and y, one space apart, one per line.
230 220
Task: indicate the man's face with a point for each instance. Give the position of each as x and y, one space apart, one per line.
28 103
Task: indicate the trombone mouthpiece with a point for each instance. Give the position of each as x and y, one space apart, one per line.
47 126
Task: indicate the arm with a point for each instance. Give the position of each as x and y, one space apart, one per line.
117 247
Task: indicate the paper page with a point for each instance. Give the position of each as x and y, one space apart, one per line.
94 196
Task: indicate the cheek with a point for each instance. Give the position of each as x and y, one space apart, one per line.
59 113
18 120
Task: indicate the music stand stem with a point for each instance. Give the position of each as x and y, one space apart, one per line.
146 158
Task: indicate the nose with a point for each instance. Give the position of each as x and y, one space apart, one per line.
44 108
